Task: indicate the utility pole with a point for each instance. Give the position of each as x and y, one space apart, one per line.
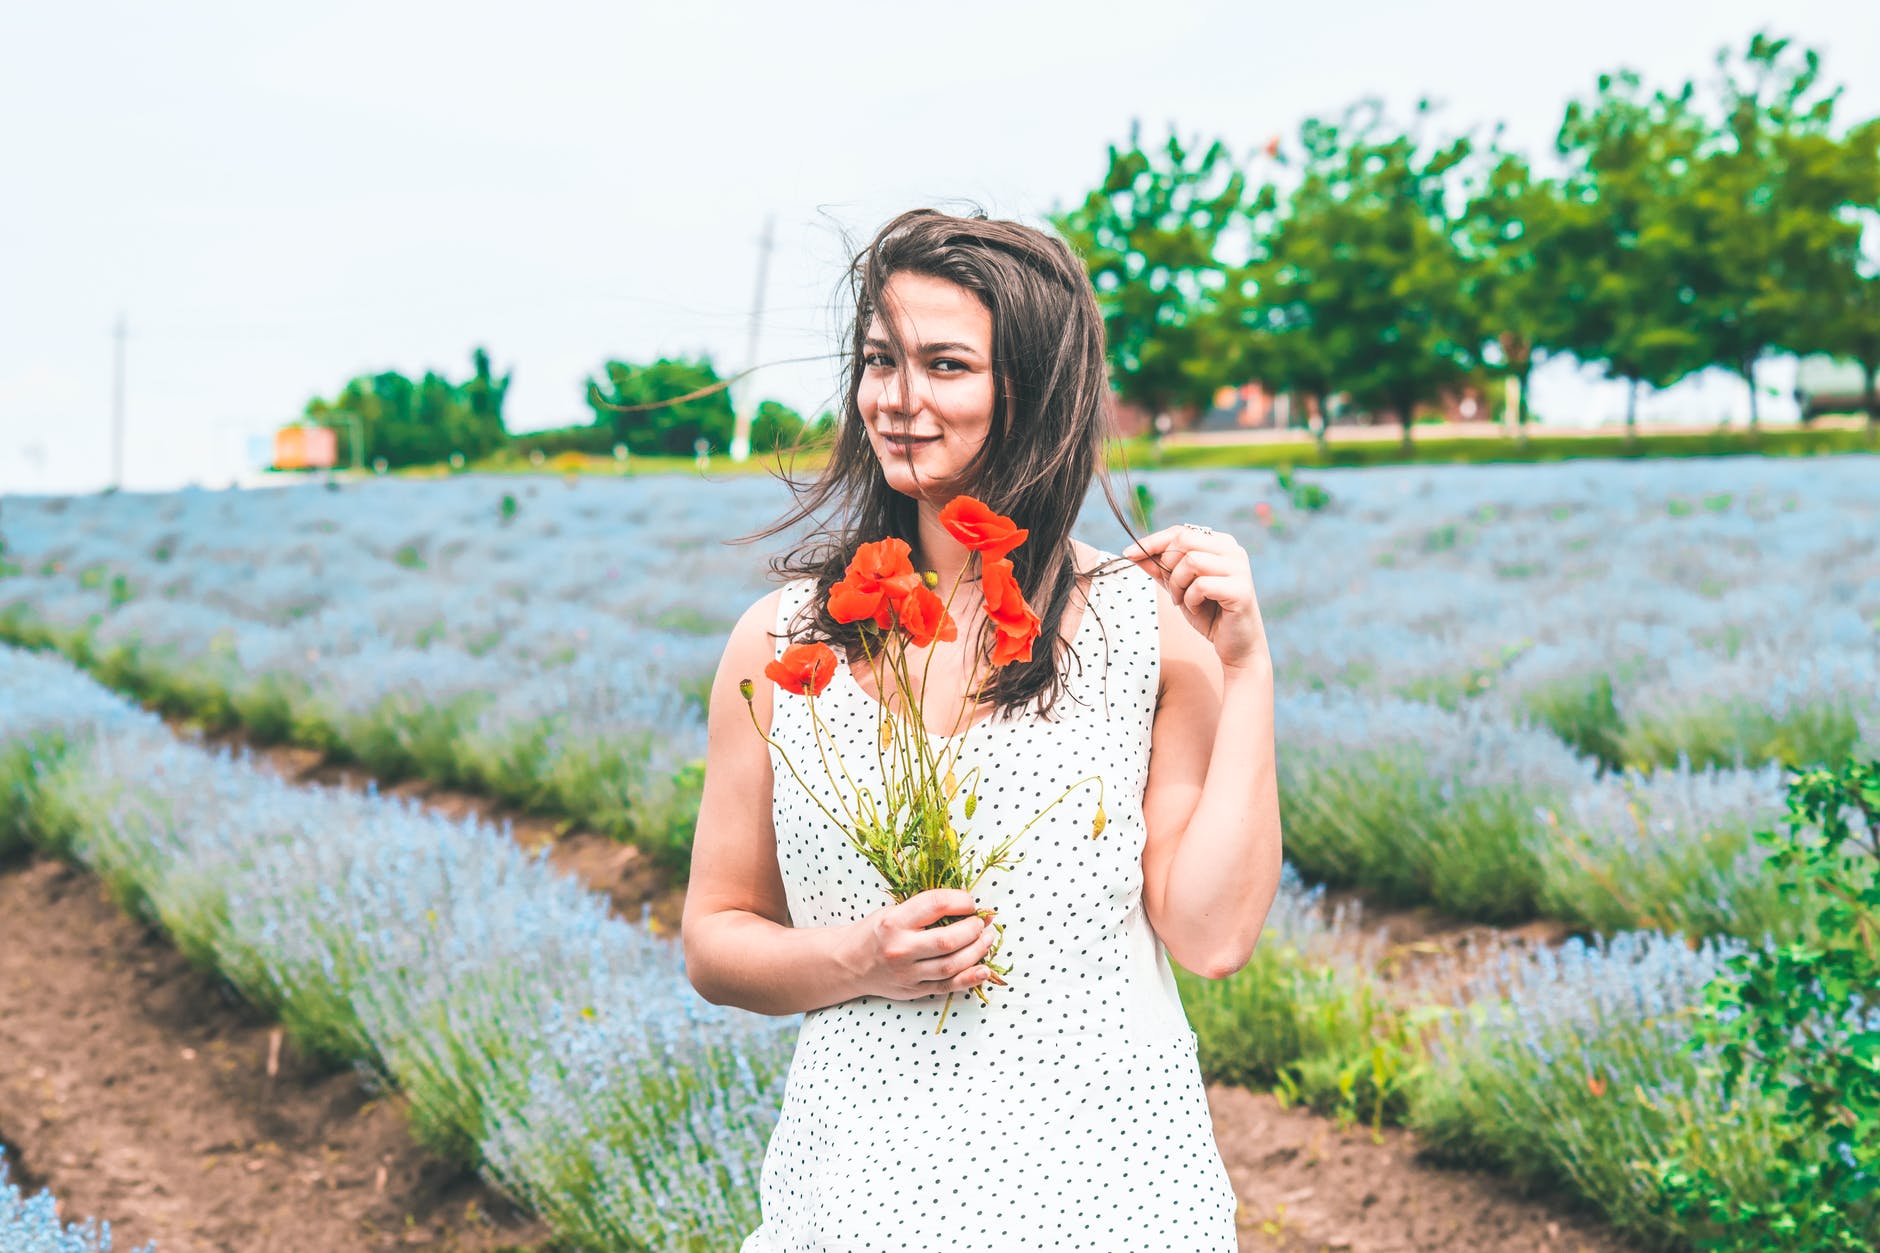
117 409
744 390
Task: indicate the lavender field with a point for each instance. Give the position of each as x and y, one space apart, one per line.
1564 692
1563 665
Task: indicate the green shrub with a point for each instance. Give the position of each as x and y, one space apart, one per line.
1798 1025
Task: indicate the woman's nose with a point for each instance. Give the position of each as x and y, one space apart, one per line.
891 394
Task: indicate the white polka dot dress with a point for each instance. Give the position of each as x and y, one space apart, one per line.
1067 1114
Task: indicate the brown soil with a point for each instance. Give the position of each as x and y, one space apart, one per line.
1427 956
1306 1186
138 1089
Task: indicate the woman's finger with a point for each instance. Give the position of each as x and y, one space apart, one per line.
1169 543
1209 587
1161 558
1194 564
1152 543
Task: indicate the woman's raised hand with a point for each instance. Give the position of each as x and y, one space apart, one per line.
1208 575
903 956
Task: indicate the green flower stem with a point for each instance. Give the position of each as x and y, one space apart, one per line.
752 710
820 727
1000 852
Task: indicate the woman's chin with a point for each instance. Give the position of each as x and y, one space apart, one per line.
902 479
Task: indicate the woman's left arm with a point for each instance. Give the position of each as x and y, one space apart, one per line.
1211 861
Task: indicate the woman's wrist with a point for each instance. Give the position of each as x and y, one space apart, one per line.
1256 670
848 953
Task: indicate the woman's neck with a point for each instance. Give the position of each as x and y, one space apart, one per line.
943 554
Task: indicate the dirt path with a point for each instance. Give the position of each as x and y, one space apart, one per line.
138 1090
1307 1187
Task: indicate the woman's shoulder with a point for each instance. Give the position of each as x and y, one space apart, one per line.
783 609
757 621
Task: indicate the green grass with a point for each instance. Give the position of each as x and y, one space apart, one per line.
582 464
1433 448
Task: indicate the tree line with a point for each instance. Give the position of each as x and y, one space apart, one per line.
661 408
1387 265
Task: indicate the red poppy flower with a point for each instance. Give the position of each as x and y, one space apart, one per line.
925 618
973 524
880 575
1007 649
1005 602
1017 622
804 669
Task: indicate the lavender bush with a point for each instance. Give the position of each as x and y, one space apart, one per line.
1566 1067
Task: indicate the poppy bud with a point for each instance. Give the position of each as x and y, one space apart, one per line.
972 803
1100 822
745 687
931 578
950 784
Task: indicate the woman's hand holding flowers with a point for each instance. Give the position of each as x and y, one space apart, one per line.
902 955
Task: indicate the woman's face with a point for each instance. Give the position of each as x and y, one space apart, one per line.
926 436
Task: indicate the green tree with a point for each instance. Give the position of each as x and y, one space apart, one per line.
775 425
1521 235
1844 319
1278 303
663 407
1628 252
1767 205
1152 236
1357 277
422 422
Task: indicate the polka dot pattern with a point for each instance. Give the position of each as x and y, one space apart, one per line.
1070 1112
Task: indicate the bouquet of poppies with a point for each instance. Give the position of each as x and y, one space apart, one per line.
909 833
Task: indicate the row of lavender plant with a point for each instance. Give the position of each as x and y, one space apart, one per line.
1501 821
562 1050
1640 614
31 1224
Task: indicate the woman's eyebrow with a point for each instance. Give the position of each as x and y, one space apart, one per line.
945 345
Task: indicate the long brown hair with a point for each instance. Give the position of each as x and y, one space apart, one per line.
1052 412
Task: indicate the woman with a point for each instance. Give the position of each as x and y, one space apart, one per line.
1066 1111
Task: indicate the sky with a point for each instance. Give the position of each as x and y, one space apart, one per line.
278 198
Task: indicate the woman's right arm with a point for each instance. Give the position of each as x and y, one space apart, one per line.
740 947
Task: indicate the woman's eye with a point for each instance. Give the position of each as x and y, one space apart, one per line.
942 365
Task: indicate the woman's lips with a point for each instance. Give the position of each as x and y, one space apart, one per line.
905 442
